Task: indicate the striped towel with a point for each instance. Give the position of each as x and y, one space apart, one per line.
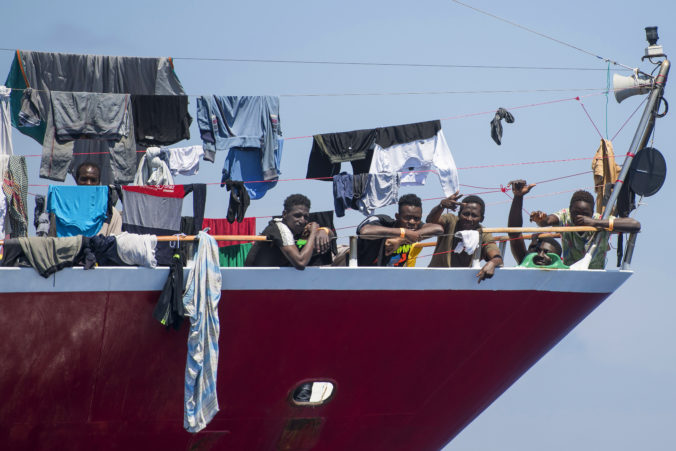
203 291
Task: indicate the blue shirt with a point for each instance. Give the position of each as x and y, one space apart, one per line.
79 210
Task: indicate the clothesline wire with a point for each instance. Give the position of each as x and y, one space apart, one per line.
376 64
538 33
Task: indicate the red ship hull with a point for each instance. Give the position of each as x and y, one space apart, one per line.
414 355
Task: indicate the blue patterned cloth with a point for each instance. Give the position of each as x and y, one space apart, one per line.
200 301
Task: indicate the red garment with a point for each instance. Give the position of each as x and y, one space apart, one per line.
221 226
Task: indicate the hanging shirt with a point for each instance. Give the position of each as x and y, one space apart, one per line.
244 165
343 191
606 172
381 190
244 122
184 160
160 120
79 210
415 159
5 122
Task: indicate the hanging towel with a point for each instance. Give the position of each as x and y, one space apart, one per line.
5 122
184 160
252 122
605 173
160 120
152 170
137 250
15 189
381 190
224 227
469 241
202 294
496 124
79 210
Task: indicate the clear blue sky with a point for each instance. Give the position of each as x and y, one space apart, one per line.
610 383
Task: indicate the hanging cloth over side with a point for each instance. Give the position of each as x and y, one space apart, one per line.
221 226
244 122
169 308
200 301
152 170
67 72
45 254
496 124
5 122
605 173
15 189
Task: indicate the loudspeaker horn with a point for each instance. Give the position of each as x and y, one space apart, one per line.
627 86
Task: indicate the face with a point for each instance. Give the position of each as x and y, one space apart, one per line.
469 217
296 219
409 217
581 208
88 175
543 248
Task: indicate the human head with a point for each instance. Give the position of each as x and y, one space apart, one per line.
471 213
409 215
88 173
296 212
581 204
543 246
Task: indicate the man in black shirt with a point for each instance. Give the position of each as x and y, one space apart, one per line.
294 240
384 241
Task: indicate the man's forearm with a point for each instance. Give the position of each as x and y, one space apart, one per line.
435 214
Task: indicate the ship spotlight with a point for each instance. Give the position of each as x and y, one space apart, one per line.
627 86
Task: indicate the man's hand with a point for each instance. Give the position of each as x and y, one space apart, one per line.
487 271
451 202
392 244
580 220
539 217
322 241
412 236
520 187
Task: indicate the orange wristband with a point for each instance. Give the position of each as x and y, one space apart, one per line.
610 224
325 229
403 232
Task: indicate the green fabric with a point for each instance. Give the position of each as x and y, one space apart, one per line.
556 262
16 82
233 256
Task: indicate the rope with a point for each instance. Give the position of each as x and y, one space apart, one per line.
590 119
530 30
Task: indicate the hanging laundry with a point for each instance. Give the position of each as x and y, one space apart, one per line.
184 160
5 122
381 190
233 256
137 249
227 122
331 149
239 201
104 249
4 167
415 150
160 120
169 308
157 210
222 226
15 189
496 124
152 170
78 210
71 116
343 191
202 295
40 216
86 73
605 173
45 254
241 164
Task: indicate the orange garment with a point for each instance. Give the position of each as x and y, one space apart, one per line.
605 173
